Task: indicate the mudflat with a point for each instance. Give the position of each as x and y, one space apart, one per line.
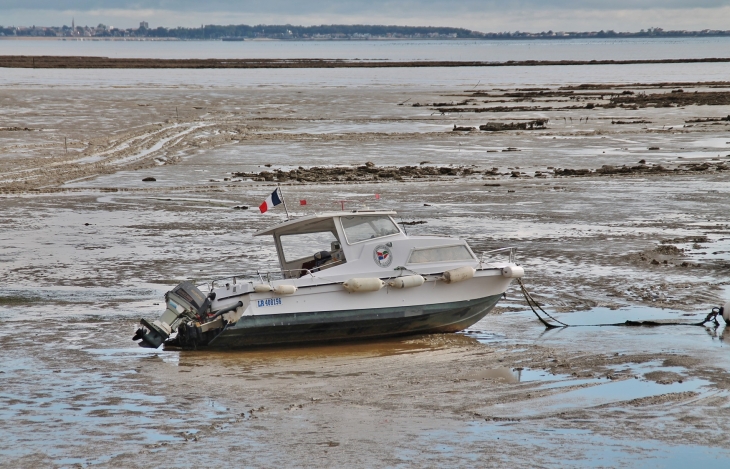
617 203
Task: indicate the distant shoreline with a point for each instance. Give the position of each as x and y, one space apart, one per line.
81 62
370 39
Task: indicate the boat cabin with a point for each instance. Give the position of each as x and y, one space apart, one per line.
325 240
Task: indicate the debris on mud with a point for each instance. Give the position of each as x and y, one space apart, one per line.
708 119
669 250
609 170
671 99
365 173
444 110
500 126
463 129
16 129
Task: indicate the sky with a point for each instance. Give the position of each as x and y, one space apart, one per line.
479 15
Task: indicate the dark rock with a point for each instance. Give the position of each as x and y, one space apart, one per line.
149 179
501 126
572 172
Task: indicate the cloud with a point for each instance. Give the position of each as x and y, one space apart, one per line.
481 15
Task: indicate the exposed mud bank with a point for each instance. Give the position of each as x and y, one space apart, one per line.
608 170
365 173
594 97
21 61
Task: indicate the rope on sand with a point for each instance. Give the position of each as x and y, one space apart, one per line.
712 316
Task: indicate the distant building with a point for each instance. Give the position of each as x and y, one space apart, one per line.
144 25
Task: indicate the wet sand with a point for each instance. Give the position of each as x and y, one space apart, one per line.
88 247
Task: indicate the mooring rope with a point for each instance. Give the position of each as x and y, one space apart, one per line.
712 316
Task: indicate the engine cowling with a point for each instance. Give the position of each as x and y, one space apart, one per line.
184 302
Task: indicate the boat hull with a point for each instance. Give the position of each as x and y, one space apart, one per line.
330 326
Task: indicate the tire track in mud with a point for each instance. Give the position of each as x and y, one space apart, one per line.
152 145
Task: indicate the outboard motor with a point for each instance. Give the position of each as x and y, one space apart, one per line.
184 302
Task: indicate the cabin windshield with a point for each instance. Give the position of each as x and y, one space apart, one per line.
359 228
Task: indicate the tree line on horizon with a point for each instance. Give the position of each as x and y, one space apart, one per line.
334 31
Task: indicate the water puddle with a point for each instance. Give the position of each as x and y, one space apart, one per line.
541 444
592 396
516 375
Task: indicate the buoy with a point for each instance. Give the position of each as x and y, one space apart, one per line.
458 275
513 271
285 289
360 285
262 288
407 281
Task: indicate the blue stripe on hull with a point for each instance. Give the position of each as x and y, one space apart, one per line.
354 324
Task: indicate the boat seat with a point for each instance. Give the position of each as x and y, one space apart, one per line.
319 259
322 257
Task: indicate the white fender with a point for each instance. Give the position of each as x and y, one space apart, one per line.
458 275
407 281
285 289
262 288
360 285
513 271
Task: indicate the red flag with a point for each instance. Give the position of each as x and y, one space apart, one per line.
303 202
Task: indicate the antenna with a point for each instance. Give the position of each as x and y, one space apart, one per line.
278 186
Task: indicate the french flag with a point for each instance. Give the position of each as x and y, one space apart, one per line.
271 201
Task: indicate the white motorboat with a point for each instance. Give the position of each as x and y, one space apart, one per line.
343 275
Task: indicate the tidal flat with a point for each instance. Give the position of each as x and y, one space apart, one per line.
618 206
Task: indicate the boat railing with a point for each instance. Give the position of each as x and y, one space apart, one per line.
263 276
510 251
267 276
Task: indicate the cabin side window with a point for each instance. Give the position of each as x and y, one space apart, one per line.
359 228
440 254
309 248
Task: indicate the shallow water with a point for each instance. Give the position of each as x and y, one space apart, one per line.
466 78
574 49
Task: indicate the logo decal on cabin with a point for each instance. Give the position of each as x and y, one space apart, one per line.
382 255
